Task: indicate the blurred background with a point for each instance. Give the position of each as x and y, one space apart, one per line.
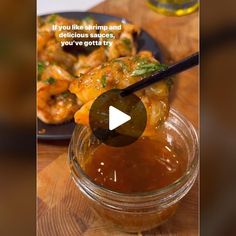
218 116
51 6
18 117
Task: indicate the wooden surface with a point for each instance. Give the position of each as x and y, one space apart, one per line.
62 210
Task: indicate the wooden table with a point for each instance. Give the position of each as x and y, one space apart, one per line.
178 37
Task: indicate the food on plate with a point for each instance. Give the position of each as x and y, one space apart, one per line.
58 67
123 44
68 82
86 62
55 104
54 54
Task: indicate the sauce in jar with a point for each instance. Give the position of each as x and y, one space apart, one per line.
146 165
137 174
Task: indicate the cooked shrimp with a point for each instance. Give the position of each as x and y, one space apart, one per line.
86 63
81 116
53 53
48 41
55 104
57 73
115 66
42 39
45 32
89 21
120 73
123 43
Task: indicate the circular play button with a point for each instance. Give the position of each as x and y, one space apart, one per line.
117 120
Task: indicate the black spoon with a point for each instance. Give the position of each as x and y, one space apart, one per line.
176 68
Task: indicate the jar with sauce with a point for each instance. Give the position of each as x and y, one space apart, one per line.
136 187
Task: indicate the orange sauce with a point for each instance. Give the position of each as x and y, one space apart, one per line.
143 166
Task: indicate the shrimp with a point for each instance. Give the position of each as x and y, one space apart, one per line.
44 32
119 73
86 63
42 39
123 43
50 48
53 53
55 104
49 43
61 96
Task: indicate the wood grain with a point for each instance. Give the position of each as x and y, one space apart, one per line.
62 210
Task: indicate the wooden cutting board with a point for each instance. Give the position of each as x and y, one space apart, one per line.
62 210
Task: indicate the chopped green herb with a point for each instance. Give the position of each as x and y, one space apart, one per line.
52 18
41 67
127 43
65 94
110 35
88 18
104 81
145 67
50 80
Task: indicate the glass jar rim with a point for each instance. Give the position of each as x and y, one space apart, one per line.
165 190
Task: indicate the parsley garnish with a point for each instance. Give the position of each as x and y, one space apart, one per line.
127 43
110 35
50 80
52 18
41 68
88 18
65 94
104 81
144 67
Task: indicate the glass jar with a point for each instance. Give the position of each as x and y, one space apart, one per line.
137 211
173 7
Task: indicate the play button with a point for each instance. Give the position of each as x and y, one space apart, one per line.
116 120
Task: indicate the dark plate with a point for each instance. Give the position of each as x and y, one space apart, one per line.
145 42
